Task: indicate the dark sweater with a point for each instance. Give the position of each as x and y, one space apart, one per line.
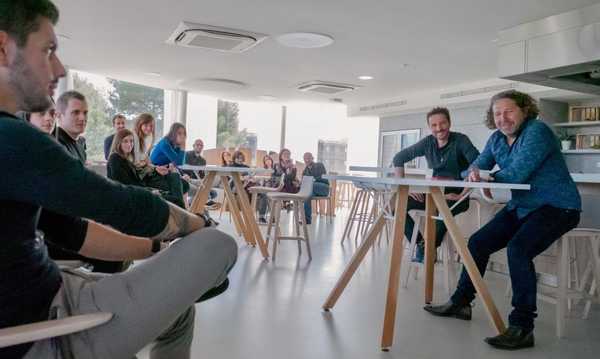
122 170
192 159
44 175
316 170
74 147
448 161
107 145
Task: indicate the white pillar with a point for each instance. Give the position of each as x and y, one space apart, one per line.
64 84
175 108
283 123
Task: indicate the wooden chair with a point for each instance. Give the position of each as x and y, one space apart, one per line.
328 202
276 200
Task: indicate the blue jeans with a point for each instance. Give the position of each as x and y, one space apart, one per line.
524 238
320 189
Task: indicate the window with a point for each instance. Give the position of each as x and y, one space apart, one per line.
394 141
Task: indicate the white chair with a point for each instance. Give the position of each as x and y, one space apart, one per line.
276 200
51 328
257 190
444 250
564 292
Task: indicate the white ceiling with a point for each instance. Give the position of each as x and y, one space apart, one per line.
444 42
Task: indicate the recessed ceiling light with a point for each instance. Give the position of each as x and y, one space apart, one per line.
365 77
267 98
155 74
304 40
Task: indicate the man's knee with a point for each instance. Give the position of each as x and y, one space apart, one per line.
217 243
478 244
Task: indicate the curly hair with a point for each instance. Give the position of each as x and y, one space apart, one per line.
526 103
439 111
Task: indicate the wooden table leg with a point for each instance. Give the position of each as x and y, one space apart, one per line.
469 263
354 263
201 196
429 247
395 265
236 213
249 216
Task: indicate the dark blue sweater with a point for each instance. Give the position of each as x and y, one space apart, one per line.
534 158
165 153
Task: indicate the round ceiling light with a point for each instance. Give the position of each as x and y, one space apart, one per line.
365 77
304 40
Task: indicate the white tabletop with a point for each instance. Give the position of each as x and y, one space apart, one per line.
226 169
417 182
387 170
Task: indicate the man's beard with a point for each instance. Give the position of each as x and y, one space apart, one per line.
29 94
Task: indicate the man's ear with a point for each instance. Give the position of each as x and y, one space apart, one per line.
5 43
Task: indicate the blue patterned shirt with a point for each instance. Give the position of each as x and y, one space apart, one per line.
534 158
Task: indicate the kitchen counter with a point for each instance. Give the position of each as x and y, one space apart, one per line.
586 177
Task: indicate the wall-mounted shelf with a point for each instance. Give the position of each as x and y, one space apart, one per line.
582 152
577 124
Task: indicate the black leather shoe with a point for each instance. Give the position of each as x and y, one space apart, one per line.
513 338
450 309
215 291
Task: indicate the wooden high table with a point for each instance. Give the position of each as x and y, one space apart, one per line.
434 190
242 214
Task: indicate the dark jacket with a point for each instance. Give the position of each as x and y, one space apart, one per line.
74 147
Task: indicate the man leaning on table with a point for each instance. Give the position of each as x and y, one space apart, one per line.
526 151
448 154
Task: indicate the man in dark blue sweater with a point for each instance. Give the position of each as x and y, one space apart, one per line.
153 300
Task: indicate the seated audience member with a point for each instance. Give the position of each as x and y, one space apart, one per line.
72 111
121 168
143 136
526 151
448 153
118 122
44 121
239 160
226 159
170 149
320 185
263 200
48 190
194 158
287 169
169 152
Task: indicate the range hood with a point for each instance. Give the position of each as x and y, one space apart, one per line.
561 51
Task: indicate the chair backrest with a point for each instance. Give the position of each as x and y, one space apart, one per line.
306 187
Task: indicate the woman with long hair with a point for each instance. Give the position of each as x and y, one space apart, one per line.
170 150
144 132
226 159
287 168
121 168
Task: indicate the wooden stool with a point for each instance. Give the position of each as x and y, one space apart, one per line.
276 200
256 190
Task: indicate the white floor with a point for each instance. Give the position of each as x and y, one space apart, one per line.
273 310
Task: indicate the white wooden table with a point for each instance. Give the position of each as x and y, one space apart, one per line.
242 214
434 190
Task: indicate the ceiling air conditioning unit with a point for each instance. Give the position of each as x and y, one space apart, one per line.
327 88
214 38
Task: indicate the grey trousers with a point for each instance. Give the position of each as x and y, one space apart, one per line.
151 302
